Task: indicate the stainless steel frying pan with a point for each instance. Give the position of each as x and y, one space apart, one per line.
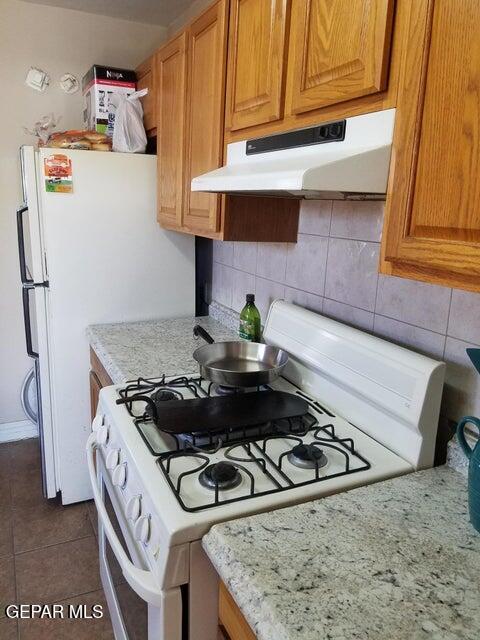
238 364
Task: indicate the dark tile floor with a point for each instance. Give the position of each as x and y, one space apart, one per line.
48 553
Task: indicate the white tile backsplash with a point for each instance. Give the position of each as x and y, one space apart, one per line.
306 263
333 269
424 305
223 252
462 390
222 284
357 220
266 291
464 321
315 217
243 283
245 256
352 272
427 342
309 301
350 315
272 260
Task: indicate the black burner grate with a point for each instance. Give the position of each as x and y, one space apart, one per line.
248 448
256 452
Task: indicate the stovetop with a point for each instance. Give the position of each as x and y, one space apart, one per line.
371 414
205 470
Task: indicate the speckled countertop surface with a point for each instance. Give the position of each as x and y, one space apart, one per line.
395 560
151 348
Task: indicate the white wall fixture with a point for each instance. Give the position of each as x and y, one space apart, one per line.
37 79
69 83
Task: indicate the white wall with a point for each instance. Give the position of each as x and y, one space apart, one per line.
56 40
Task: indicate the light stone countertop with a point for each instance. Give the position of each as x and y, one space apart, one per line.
153 347
397 560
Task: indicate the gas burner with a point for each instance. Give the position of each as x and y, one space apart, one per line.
307 456
223 390
221 476
164 395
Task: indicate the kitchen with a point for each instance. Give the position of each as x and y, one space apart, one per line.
321 156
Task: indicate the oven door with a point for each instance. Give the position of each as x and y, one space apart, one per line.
138 608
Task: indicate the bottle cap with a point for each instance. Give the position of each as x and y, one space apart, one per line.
250 297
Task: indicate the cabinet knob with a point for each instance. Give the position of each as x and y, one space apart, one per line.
119 475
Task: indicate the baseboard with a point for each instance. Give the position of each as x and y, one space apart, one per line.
10 431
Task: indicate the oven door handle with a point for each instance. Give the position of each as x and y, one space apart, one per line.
141 581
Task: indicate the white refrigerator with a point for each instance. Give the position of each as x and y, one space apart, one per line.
91 251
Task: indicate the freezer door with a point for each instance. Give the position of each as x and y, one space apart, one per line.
108 261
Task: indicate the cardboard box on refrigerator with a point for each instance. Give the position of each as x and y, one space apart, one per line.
98 85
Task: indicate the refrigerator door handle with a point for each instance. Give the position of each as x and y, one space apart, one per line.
26 317
26 280
21 246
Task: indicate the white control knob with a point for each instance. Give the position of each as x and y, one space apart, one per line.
134 508
98 421
119 475
103 434
141 529
113 459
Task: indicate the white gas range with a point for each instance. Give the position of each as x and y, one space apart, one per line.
357 410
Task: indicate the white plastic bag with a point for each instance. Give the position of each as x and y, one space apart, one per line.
128 131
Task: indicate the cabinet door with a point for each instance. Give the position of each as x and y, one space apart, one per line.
257 62
146 80
205 108
171 85
339 50
432 229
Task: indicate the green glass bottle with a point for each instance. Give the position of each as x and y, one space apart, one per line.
250 320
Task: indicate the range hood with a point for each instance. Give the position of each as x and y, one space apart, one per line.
345 159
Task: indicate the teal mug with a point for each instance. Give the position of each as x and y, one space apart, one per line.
473 469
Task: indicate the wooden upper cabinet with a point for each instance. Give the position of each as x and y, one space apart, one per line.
171 68
432 229
207 53
146 80
339 50
256 62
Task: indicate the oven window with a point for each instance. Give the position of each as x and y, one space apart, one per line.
134 609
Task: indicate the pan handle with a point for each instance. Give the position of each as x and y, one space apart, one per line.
200 331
